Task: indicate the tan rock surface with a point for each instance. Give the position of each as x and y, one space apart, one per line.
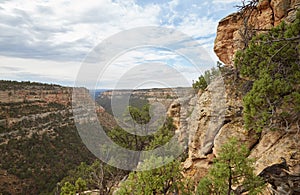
276 144
209 129
230 31
209 135
237 130
206 120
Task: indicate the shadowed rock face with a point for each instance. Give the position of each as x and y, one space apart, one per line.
280 179
267 14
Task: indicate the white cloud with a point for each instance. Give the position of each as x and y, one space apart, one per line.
159 66
198 27
37 70
46 40
59 25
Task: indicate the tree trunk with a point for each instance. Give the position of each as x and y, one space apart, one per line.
229 181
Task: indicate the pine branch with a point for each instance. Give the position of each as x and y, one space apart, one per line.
296 39
246 5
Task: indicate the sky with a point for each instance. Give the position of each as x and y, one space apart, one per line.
107 43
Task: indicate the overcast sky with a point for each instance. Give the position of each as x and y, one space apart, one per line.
51 40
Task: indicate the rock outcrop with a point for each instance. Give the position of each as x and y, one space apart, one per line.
217 116
279 178
267 14
180 110
213 123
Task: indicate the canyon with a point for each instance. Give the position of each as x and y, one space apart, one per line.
39 142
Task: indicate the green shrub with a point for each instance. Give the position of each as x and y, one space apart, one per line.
272 62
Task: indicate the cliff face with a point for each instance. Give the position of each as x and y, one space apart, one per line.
217 117
161 95
174 101
210 129
231 30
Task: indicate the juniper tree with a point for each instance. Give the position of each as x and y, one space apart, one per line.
272 61
231 172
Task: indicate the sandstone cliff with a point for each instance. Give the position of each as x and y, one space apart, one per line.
164 96
217 117
174 101
267 14
212 123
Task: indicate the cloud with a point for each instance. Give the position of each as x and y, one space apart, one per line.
47 40
151 75
149 66
46 29
63 73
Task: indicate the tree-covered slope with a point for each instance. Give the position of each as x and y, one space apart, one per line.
39 142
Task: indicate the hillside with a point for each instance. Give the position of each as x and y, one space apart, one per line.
39 142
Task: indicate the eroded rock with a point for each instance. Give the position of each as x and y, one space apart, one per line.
231 30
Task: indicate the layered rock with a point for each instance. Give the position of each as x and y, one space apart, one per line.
56 94
235 29
176 103
180 110
39 142
213 124
164 96
217 116
210 129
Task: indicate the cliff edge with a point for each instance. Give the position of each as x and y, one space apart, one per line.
231 31
217 119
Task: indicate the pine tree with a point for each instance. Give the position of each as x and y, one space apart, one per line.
167 179
208 76
68 189
232 172
272 61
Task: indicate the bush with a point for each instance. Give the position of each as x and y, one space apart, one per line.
207 78
272 62
231 168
